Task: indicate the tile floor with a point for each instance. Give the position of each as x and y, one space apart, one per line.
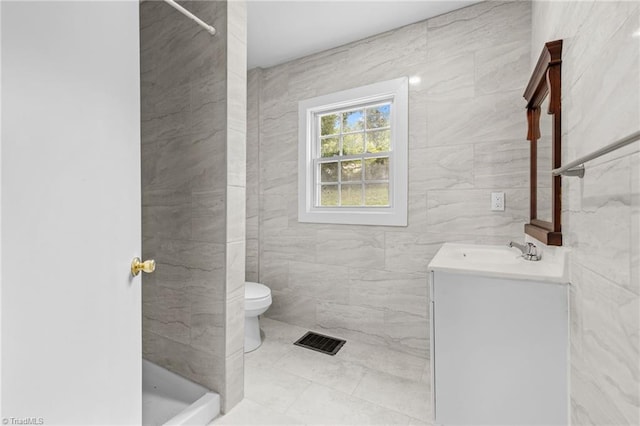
362 384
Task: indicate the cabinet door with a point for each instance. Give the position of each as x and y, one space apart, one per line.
499 351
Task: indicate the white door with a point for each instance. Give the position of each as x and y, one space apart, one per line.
70 164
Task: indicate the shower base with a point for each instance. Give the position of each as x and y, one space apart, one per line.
169 399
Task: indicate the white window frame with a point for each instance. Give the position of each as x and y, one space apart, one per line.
397 93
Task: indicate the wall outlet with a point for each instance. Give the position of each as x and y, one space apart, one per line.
497 201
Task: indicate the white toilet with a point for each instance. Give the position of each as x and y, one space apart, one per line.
257 299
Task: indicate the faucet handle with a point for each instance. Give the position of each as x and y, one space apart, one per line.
532 253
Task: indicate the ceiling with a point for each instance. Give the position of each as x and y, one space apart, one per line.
279 31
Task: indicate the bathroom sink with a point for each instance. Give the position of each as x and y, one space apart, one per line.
487 254
501 262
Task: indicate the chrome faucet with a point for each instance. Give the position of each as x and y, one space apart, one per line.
529 251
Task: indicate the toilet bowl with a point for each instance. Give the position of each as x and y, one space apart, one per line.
257 299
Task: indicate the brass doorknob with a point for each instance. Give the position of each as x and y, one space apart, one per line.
147 266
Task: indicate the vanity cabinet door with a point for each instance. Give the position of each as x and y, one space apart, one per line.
500 351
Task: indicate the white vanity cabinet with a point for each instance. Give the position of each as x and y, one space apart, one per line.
499 348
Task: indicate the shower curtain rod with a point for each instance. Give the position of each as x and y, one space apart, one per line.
190 15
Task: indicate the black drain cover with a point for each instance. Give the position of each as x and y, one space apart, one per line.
321 343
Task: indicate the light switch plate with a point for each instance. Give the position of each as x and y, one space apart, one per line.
497 201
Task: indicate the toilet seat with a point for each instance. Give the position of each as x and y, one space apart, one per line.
256 290
256 296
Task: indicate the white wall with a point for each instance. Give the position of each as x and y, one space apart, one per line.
600 213
70 211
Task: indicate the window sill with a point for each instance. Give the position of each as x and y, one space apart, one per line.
381 217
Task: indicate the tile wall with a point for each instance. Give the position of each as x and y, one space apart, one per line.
601 213
467 132
193 189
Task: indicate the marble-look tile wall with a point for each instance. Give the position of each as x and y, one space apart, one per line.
193 188
254 78
467 138
601 213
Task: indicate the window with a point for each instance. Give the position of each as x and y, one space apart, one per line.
353 156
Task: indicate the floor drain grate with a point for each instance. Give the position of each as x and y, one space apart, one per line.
321 343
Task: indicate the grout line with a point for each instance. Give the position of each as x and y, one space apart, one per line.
359 382
311 382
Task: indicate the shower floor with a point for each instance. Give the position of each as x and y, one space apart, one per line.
173 400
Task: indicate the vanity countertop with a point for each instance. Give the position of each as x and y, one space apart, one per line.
501 262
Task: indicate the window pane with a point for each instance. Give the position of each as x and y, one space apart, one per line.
379 141
330 124
377 169
328 172
330 147
351 195
376 194
329 195
353 144
351 170
378 116
352 121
